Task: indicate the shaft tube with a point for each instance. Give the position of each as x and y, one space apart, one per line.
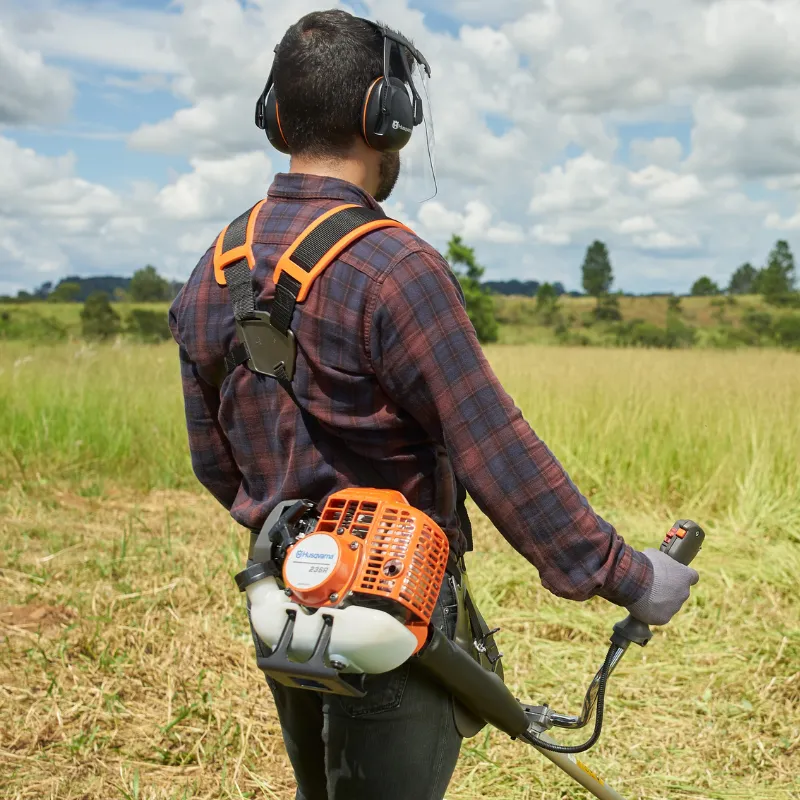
482 692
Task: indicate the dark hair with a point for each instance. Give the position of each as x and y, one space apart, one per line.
323 67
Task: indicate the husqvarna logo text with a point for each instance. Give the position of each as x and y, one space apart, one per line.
396 125
320 556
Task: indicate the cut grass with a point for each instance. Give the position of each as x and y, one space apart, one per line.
126 667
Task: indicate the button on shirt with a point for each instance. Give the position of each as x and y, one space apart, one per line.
389 363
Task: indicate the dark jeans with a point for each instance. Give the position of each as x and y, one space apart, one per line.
399 742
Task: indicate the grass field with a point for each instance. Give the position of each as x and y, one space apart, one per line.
517 315
126 669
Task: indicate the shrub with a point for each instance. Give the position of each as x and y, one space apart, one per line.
638 333
98 319
148 326
566 336
784 299
679 334
547 306
759 322
727 338
787 330
704 287
31 327
607 309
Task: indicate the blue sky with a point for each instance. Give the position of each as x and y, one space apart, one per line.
127 135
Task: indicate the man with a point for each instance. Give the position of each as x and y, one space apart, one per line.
390 367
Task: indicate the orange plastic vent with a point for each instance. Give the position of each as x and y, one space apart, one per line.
404 552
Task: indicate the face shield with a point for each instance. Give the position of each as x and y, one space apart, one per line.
417 181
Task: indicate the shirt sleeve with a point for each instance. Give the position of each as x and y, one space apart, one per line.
427 357
212 458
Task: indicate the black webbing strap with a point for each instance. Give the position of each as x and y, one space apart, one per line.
240 287
238 354
231 264
309 251
286 290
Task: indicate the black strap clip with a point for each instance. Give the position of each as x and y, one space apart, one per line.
263 347
493 655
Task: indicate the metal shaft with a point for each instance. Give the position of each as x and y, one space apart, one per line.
579 772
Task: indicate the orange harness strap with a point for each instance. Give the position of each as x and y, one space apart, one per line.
236 243
336 232
266 342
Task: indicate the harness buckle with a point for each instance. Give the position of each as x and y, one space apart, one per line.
267 346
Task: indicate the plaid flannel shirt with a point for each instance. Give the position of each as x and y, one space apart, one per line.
388 360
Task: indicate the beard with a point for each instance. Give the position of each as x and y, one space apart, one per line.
388 173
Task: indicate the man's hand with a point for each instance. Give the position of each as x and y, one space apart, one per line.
668 592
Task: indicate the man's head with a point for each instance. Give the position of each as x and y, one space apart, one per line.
323 68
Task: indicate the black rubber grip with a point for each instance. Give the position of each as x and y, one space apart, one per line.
683 542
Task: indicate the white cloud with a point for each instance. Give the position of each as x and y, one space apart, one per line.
31 90
564 76
213 187
663 151
134 40
54 219
474 223
638 224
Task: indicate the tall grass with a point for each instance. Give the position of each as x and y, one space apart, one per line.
90 414
659 430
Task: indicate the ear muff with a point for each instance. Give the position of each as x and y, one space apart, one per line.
272 123
388 115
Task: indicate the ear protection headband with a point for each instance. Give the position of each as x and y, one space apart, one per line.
388 116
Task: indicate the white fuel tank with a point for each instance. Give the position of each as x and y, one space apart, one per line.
363 639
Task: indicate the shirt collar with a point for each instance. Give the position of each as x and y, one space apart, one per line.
300 186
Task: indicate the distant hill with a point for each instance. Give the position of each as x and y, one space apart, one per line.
519 288
112 285
101 283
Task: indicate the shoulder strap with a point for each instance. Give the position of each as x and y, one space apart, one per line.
317 247
234 261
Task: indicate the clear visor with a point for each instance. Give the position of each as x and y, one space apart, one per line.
417 181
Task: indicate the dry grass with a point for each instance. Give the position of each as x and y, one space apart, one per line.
127 671
145 687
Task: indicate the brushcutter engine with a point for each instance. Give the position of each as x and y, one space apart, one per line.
350 591
345 591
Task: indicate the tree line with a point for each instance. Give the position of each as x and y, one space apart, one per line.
145 286
775 281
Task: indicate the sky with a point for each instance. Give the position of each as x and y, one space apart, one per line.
670 131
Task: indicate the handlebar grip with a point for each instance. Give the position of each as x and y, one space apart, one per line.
683 541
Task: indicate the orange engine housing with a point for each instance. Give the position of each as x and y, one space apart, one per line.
371 543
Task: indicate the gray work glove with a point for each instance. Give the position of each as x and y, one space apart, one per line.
668 592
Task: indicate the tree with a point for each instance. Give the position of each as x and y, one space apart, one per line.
147 286
704 287
98 319
777 278
65 292
597 273
480 304
743 280
674 305
44 290
547 303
